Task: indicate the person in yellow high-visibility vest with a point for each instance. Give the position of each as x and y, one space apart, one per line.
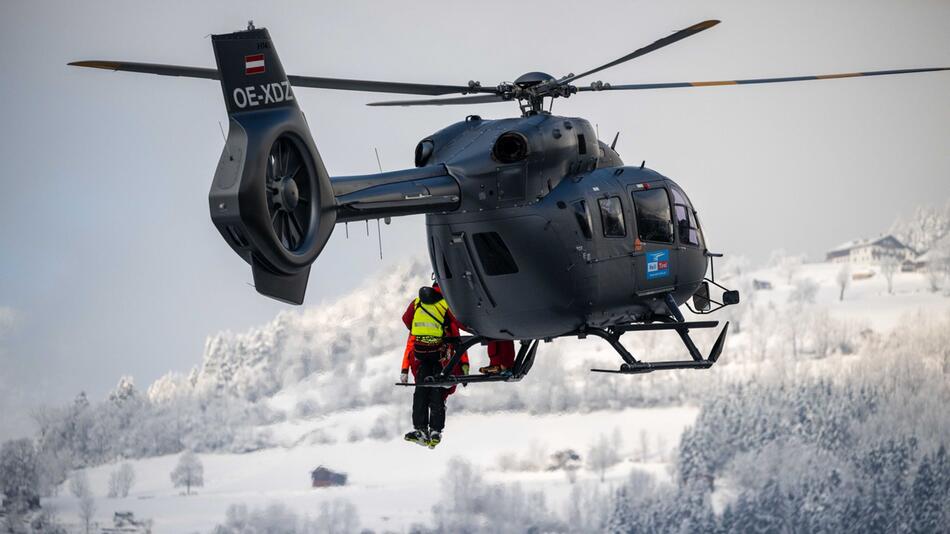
429 321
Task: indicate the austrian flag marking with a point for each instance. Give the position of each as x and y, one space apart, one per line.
254 64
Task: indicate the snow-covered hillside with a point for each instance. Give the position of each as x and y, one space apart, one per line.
301 342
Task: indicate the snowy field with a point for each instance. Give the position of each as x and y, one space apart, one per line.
392 483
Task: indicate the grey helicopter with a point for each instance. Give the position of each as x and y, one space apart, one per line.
536 229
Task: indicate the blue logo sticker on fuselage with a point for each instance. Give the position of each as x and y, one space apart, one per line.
658 264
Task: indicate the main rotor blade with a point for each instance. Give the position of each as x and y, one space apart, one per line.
682 34
151 68
671 85
477 99
384 87
297 81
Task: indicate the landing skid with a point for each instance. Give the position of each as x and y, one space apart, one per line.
633 366
523 363
676 322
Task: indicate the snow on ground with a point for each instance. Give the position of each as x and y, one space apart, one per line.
865 300
392 483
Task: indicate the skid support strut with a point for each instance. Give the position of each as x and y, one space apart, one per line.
633 366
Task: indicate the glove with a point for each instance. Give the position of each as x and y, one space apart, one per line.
404 377
464 368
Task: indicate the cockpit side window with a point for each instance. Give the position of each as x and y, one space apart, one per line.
654 221
611 216
686 223
582 215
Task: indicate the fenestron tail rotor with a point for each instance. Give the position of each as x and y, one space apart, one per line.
290 185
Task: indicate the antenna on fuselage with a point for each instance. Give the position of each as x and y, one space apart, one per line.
379 234
613 145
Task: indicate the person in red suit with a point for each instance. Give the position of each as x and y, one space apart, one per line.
501 357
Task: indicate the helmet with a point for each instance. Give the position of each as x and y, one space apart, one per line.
428 295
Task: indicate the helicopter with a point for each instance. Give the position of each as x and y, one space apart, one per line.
536 229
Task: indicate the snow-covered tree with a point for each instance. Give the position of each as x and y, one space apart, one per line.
80 488
189 472
938 263
934 275
121 481
602 455
829 334
803 292
889 266
469 504
843 279
338 516
53 467
925 227
588 508
19 477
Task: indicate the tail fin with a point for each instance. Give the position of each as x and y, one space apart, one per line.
271 197
252 76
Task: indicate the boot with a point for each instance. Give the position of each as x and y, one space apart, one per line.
492 369
417 436
435 437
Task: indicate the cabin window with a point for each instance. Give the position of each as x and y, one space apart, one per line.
611 215
494 254
686 223
581 144
654 221
582 215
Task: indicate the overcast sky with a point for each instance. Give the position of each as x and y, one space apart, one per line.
111 265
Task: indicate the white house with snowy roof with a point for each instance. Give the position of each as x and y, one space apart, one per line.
870 251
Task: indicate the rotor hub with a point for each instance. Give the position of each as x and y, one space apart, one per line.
287 195
530 79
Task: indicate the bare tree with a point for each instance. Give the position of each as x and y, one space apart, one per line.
825 332
121 481
189 472
804 292
644 445
938 265
934 277
338 516
889 266
843 279
602 455
79 487
802 295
